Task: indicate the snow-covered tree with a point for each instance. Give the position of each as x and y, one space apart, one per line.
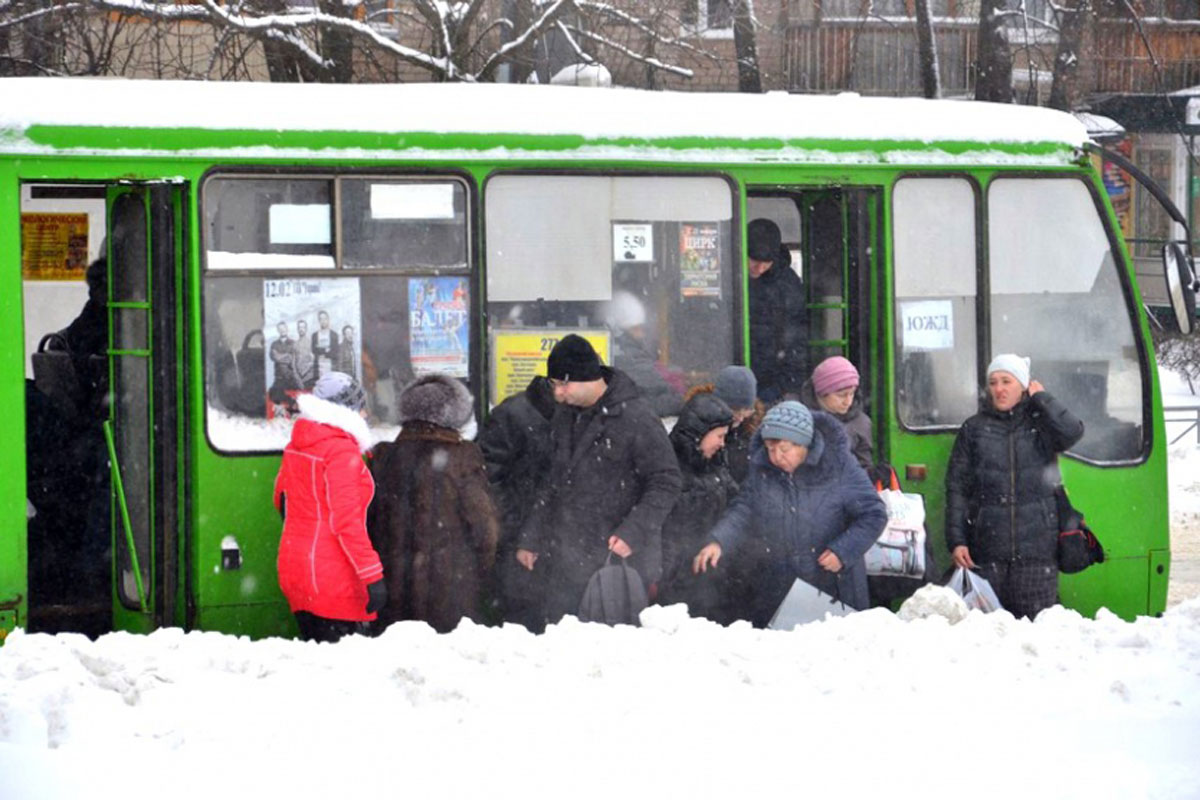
334 40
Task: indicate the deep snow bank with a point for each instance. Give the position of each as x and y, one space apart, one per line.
867 704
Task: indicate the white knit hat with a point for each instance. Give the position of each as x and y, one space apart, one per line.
1013 364
624 311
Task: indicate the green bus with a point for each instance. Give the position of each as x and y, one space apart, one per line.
237 239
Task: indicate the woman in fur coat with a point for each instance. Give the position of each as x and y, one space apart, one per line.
328 570
433 520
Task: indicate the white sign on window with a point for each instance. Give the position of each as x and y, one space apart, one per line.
412 201
927 325
291 223
633 242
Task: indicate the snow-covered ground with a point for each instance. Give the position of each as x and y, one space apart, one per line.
1183 467
860 706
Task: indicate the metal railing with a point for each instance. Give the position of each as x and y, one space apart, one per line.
1187 414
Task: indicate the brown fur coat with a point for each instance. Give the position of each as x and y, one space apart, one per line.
434 525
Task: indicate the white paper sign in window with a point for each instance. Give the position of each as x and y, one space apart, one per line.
412 201
928 325
633 242
299 224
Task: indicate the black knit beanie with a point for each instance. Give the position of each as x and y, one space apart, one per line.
573 359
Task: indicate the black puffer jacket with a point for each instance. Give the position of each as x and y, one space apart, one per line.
1001 479
613 472
778 331
707 489
515 442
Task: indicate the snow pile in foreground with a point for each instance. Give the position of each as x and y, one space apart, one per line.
865 705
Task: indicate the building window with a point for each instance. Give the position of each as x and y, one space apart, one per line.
709 18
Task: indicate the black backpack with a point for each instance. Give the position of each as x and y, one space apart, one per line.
615 595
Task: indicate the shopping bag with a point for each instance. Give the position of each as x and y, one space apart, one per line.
900 549
805 603
975 591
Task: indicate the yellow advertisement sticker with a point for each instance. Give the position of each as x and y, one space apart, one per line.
54 247
519 354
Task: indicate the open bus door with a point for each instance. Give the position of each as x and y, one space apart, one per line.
143 430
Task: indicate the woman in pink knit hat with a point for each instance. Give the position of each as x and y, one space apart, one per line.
833 388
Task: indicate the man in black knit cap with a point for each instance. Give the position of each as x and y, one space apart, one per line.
613 480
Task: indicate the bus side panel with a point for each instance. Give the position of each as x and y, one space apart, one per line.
1129 506
14 596
233 498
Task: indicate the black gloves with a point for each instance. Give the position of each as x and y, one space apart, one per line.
376 596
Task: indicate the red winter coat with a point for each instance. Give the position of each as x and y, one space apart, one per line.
325 558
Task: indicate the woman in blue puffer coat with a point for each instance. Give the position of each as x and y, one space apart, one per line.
811 507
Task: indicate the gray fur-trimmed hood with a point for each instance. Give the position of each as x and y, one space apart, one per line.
327 413
437 399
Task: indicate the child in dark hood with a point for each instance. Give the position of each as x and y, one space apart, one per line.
699 440
330 574
433 522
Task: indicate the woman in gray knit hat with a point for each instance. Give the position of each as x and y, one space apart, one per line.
807 510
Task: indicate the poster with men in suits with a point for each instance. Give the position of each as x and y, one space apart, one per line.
313 328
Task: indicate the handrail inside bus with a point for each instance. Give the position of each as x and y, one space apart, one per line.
120 491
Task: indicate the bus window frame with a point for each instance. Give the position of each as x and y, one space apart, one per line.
473 274
982 289
738 302
1121 264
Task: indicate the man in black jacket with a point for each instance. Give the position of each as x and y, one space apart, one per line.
516 447
613 480
778 314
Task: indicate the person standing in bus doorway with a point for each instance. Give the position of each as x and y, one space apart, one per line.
433 522
811 504
328 570
324 346
1001 510
613 480
516 447
778 314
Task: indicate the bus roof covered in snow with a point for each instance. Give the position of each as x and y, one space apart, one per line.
464 121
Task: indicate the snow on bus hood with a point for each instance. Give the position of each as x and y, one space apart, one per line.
591 113
864 705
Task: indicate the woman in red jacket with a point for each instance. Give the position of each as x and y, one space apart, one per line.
328 570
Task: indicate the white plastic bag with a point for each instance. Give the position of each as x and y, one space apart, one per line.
805 603
975 591
900 549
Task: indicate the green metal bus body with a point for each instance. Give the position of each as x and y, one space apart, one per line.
930 235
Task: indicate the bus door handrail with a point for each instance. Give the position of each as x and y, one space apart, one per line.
124 506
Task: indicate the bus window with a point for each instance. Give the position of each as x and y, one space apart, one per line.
408 225
641 265
1056 297
389 300
268 223
933 225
